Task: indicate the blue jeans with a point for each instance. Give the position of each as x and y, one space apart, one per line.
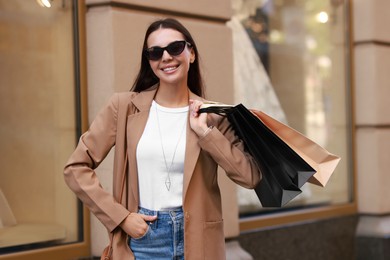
164 238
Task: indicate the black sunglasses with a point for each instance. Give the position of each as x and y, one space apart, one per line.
174 49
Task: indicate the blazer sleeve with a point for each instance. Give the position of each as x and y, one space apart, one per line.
228 151
79 172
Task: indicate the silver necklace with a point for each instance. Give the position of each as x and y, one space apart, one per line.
168 178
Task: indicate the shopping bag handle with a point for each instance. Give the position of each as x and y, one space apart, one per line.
221 110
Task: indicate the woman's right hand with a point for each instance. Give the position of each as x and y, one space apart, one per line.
135 224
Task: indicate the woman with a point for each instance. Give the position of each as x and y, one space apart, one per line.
169 152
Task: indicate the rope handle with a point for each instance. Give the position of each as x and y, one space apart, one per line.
221 110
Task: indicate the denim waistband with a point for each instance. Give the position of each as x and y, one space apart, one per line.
166 211
163 216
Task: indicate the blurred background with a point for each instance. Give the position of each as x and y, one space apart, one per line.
320 66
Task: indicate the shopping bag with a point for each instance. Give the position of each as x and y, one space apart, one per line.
322 161
284 171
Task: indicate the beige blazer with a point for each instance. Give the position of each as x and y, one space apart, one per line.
120 124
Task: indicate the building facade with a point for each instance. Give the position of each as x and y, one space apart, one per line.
320 66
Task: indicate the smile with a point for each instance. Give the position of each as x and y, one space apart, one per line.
169 69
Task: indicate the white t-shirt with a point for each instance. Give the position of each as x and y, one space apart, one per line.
164 133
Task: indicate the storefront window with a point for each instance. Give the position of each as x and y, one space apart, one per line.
291 61
38 126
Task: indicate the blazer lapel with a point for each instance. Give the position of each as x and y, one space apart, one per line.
135 126
191 153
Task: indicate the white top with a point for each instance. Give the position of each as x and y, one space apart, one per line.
170 124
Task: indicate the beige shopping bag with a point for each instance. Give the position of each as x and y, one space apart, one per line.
316 156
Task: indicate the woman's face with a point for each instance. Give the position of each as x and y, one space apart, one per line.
170 69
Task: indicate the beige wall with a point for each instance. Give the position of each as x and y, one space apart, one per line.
219 9
114 45
372 63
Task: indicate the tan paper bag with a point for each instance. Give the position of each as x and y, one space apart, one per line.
317 157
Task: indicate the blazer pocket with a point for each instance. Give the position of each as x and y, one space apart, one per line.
213 240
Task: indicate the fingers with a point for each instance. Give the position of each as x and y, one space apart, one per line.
135 225
195 106
148 218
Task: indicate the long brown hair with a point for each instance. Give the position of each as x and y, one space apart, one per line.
146 78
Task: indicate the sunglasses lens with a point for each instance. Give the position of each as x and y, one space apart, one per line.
176 48
154 53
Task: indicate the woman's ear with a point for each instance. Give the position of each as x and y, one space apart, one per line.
192 57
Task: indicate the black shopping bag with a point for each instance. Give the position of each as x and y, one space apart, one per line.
284 171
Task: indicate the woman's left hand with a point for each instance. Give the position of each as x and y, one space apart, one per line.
198 122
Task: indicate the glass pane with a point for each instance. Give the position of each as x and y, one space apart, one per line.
37 124
291 62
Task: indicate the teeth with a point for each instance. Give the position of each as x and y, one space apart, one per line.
169 69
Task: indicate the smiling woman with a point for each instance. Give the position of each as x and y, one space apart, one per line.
169 154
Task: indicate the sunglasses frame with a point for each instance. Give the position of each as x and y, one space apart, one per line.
161 50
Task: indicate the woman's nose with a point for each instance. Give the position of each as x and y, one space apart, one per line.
166 56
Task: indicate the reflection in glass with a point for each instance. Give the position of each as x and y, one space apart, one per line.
295 70
37 124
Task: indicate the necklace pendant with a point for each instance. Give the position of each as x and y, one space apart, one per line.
168 184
